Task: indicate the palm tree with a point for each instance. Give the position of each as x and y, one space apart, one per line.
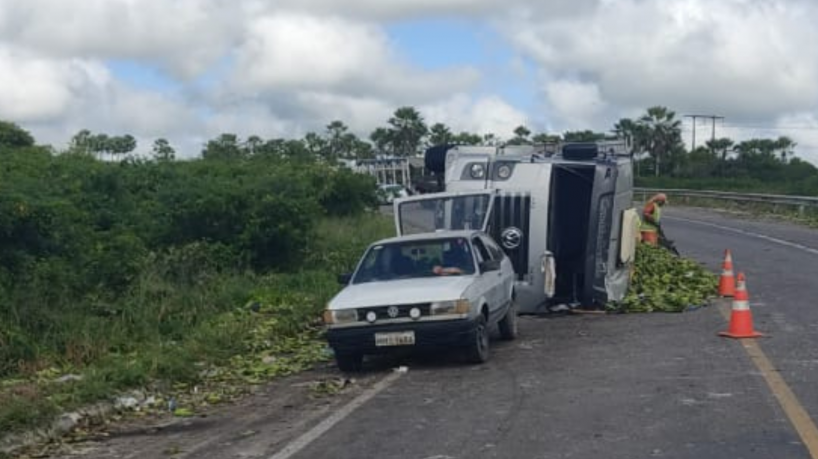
382 139
543 137
82 142
125 144
408 130
253 145
662 133
490 139
785 146
721 147
467 138
336 131
315 144
100 145
631 133
162 151
440 134
521 134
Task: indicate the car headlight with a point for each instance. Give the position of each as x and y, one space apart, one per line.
449 307
340 316
504 171
477 171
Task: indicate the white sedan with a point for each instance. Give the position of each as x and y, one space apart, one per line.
435 290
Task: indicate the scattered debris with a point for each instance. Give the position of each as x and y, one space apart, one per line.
183 412
559 308
68 378
126 403
663 282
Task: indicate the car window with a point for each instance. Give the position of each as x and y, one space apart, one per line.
481 249
494 249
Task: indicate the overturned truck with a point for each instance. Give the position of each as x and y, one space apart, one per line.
562 212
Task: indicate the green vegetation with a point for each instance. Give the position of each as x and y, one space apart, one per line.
129 271
662 282
165 274
761 165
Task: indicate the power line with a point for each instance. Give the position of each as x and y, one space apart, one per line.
712 117
770 128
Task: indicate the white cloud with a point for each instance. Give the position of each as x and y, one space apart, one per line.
575 104
33 88
738 58
185 36
250 118
392 9
296 52
291 66
361 114
115 108
56 97
482 115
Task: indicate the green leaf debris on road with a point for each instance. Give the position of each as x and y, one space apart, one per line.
662 282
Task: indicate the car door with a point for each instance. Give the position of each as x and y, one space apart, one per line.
491 281
506 268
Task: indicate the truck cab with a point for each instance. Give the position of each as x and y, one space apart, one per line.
563 213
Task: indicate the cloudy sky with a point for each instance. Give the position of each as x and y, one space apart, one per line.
188 70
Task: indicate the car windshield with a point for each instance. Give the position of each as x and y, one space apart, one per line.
446 212
415 259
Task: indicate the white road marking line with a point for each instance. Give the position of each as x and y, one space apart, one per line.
313 434
776 240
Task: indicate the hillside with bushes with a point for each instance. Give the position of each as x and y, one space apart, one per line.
125 272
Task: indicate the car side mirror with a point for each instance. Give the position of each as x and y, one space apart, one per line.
490 265
344 279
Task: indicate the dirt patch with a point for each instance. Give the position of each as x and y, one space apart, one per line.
256 425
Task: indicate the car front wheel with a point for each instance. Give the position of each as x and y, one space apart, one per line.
478 351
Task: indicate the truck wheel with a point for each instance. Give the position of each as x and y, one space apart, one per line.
478 351
350 362
508 326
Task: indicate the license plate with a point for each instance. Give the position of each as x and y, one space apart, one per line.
395 339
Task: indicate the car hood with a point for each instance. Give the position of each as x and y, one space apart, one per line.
404 291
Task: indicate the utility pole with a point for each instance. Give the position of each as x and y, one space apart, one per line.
712 117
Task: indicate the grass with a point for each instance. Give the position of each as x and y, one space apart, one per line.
731 184
220 330
807 216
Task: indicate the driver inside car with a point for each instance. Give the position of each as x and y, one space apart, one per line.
456 260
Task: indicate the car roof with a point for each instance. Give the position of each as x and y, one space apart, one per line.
444 234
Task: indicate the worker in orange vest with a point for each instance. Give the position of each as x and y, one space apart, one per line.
651 215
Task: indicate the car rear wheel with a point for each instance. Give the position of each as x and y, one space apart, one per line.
508 326
350 362
478 351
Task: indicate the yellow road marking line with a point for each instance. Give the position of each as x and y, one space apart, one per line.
796 413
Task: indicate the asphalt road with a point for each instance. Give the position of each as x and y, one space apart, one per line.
619 386
580 386
780 261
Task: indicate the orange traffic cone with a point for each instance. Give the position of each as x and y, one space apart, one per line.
727 282
741 319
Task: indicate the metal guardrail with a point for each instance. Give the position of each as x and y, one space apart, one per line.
799 202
